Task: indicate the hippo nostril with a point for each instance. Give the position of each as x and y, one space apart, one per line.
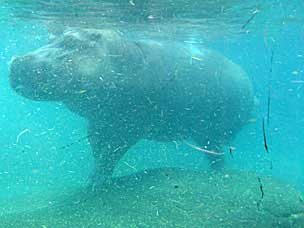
19 87
27 61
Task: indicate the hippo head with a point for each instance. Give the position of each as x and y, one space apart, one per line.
71 63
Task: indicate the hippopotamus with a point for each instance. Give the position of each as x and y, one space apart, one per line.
131 89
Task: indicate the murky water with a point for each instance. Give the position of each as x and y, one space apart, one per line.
45 152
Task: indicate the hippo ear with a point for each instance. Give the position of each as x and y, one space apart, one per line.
55 29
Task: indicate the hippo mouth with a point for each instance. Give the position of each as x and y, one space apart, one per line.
34 80
24 78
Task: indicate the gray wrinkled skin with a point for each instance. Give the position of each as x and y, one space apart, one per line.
130 90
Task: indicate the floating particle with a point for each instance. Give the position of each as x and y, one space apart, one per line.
196 58
295 72
20 134
203 150
264 136
82 91
297 81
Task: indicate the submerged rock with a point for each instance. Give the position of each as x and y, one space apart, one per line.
172 197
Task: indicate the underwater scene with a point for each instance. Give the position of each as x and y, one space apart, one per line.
151 113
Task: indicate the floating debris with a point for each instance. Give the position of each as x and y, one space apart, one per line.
271 60
271 165
231 149
264 136
295 72
21 133
301 199
82 91
252 120
268 105
269 87
75 142
196 58
254 13
262 193
203 150
130 166
132 3
297 81
176 144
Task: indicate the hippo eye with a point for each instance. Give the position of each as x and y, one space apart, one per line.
70 41
95 36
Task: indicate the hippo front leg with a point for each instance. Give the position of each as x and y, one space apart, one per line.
108 145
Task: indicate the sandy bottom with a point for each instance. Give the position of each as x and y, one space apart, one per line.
172 197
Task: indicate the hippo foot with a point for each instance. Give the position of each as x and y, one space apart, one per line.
97 182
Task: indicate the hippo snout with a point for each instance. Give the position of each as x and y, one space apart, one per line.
31 78
19 74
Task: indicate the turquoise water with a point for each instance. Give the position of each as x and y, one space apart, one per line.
33 163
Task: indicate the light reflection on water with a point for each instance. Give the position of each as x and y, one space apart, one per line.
179 19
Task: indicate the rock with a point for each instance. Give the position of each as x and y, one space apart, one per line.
172 197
